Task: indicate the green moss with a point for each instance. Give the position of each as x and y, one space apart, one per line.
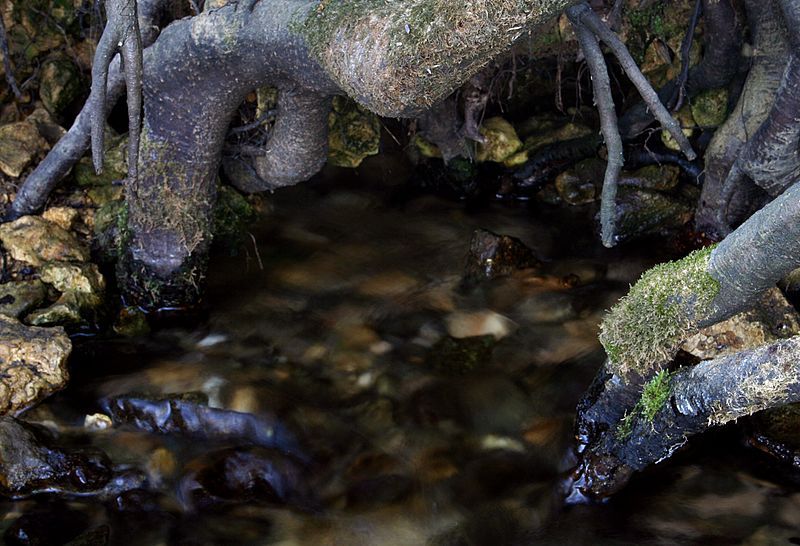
353 133
645 328
654 395
232 216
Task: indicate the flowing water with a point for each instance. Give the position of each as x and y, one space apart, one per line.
336 330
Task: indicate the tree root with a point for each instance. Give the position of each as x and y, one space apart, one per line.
590 29
644 331
121 34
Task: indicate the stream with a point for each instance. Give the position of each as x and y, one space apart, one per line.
334 392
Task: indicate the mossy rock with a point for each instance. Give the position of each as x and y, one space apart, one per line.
458 356
501 142
652 177
232 215
132 322
354 133
61 84
581 184
427 148
687 123
641 212
115 166
110 224
19 297
710 108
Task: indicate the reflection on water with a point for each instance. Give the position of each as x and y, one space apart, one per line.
375 416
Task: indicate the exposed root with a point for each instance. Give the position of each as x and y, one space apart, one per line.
121 34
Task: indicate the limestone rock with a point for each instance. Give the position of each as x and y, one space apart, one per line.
19 143
353 133
60 84
64 217
68 309
78 277
19 297
501 143
36 241
33 363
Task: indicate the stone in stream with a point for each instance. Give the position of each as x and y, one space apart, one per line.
31 462
33 363
243 475
50 523
454 356
189 414
492 256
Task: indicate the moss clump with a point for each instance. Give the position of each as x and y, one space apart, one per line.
231 218
410 54
645 328
654 395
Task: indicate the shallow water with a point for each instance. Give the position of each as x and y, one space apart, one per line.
328 329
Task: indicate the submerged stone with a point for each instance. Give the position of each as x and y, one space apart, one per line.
641 212
492 256
580 184
33 364
453 356
652 177
245 474
35 241
20 143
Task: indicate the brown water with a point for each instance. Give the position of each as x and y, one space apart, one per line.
330 324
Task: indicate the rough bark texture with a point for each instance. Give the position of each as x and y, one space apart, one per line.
771 51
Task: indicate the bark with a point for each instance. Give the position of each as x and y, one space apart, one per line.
768 64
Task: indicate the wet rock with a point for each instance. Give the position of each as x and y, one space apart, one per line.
20 143
115 165
640 213
501 141
353 133
35 241
452 356
579 185
68 309
245 474
379 490
131 322
462 324
33 363
60 85
19 297
93 537
189 414
31 462
53 523
492 256
652 177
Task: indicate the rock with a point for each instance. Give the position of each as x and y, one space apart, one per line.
353 133
579 185
190 415
33 364
19 143
31 463
645 212
73 277
684 117
50 523
131 322
709 108
245 475
64 217
19 297
652 177
501 142
461 324
453 356
47 126
492 256
110 222
67 310
60 85
35 241
115 164
772 319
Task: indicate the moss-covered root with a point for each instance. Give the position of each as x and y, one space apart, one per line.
399 58
673 407
643 331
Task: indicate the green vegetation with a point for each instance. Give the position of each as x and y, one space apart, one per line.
643 331
654 395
